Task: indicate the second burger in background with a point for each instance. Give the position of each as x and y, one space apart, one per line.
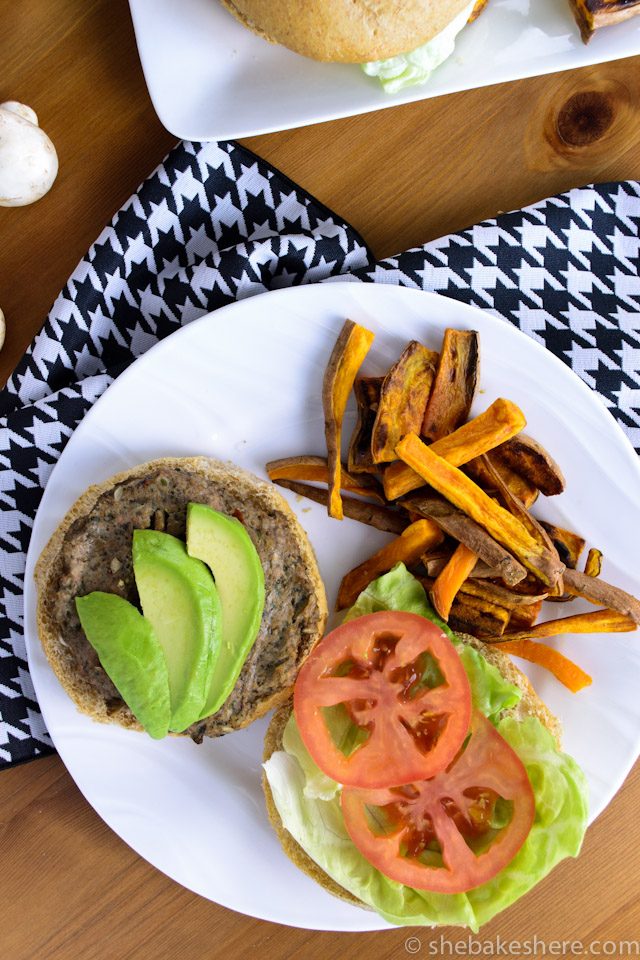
401 44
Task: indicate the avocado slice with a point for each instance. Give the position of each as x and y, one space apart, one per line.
131 655
180 599
225 546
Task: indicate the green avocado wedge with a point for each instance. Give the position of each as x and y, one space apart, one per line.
131 655
180 599
225 546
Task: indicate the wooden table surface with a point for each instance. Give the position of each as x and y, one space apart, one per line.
69 888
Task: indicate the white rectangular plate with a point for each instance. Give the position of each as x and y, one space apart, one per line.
212 79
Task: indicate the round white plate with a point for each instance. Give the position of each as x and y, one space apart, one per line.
244 384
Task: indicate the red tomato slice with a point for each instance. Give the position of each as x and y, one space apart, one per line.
437 834
373 669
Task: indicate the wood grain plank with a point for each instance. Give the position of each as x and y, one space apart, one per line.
419 171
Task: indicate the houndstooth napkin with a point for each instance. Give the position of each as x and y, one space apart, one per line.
214 224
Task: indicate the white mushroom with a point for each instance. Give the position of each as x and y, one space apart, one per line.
3 328
28 159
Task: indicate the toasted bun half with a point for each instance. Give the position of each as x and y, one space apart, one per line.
349 31
529 706
91 550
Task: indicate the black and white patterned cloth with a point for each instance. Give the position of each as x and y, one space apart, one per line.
214 224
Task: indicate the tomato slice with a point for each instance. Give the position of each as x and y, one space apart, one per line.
397 685
455 831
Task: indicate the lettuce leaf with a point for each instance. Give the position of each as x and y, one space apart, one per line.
309 802
409 69
561 818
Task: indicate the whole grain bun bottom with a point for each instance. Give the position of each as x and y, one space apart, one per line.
91 550
529 706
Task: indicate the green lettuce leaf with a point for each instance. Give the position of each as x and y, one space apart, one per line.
409 69
490 692
316 823
309 802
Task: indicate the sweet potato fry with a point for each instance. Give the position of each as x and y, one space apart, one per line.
451 578
569 545
403 399
406 548
458 525
349 351
436 558
592 14
597 591
519 486
467 496
518 510
494 593
523 618
374 515
500 421
454 385
600 621
367 394
311 468
593 565
481 571
566 671
529 458
477 10
477 617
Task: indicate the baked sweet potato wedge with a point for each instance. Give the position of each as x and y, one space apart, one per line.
403 398
373 514
600 621
596 590
406 548
454 385
568 544
477 617
494 593
592 14
500 421
530 459
346 358
477 10
518 510
593 565
468 497
524 617
367 393
566 671
450 579
519 486
465 530
311 468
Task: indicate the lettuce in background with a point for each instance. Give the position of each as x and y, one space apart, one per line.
309 802
410 69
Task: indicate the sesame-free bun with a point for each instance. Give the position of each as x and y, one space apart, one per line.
348 31
529 706
91 550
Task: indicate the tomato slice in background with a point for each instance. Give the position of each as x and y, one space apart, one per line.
455 831
396 684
